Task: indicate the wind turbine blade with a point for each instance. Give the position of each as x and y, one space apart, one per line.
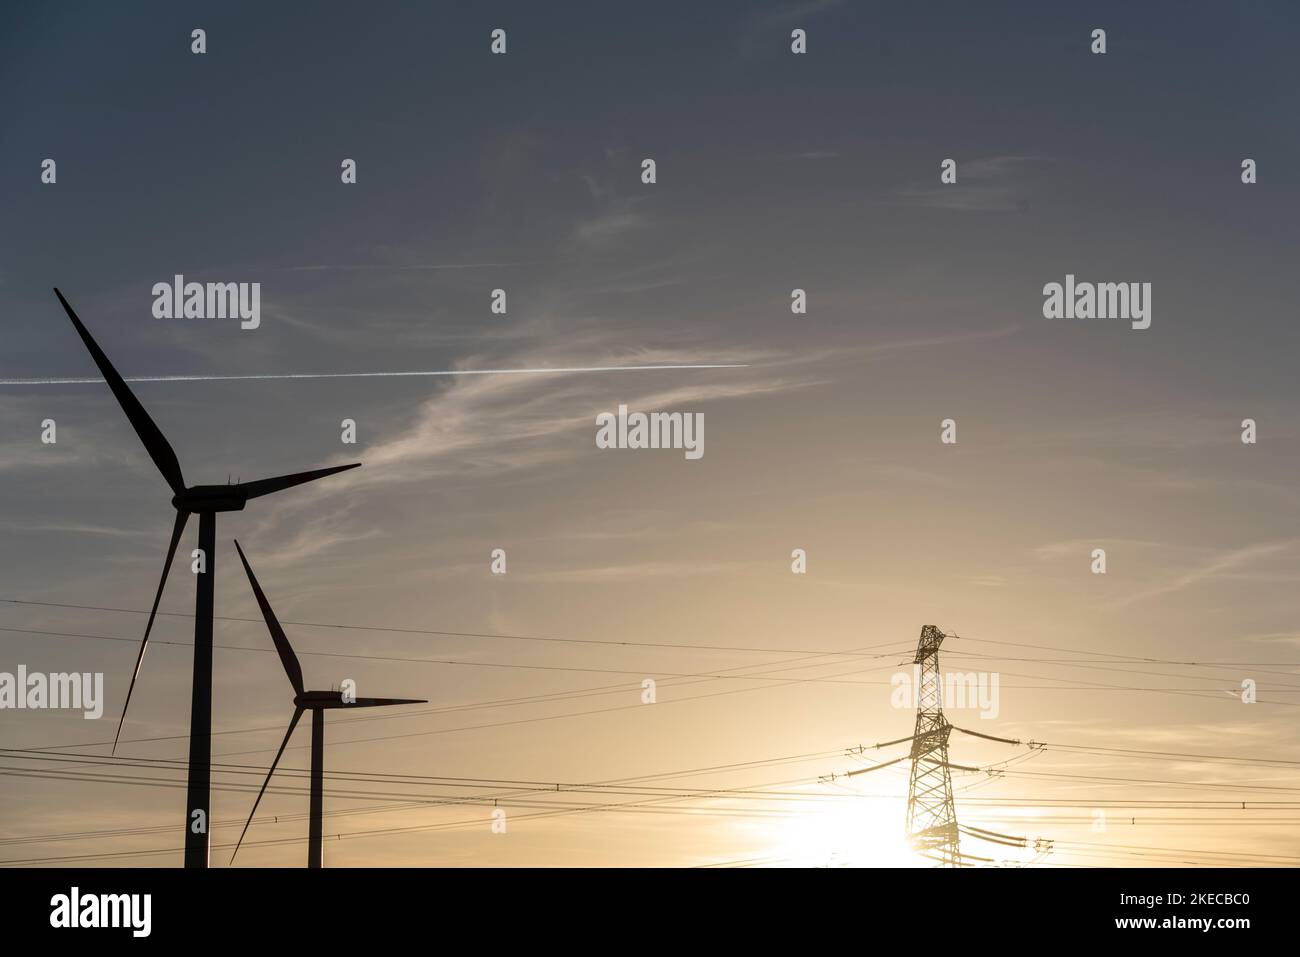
182 517
383 702
267 486
155 442
287 657
293 723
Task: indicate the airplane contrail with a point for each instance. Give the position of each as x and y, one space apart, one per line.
560 370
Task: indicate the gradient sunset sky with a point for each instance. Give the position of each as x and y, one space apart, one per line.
775 171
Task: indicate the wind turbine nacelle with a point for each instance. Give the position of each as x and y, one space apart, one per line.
211 498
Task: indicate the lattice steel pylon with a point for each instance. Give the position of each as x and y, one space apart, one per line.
931 814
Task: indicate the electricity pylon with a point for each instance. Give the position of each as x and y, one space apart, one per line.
932 826
931 814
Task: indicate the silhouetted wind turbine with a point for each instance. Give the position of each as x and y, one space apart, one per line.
204 501
315 701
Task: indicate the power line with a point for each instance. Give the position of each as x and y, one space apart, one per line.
702 679
454 825
256 772
1088 666
434 661
1205 785
711 769
452 634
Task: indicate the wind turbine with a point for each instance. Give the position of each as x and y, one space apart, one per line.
315 701
204 501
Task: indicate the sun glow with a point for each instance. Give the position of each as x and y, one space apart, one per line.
843 835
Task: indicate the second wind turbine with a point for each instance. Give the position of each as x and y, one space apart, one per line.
317 702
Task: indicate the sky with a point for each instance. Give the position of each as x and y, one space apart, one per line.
774 172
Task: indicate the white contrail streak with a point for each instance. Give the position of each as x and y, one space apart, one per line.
561 370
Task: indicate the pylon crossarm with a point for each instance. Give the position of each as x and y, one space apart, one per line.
983 830
1013 842
877 767
988 737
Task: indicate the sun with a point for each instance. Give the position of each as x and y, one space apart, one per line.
848 834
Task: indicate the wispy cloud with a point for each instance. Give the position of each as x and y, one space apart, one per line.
988 184
911 476
638 571
493 427
1276 637
1218 566
319 532
808 155
614 213
610 224
1072 548
74 528
394 267
926 342
493 424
